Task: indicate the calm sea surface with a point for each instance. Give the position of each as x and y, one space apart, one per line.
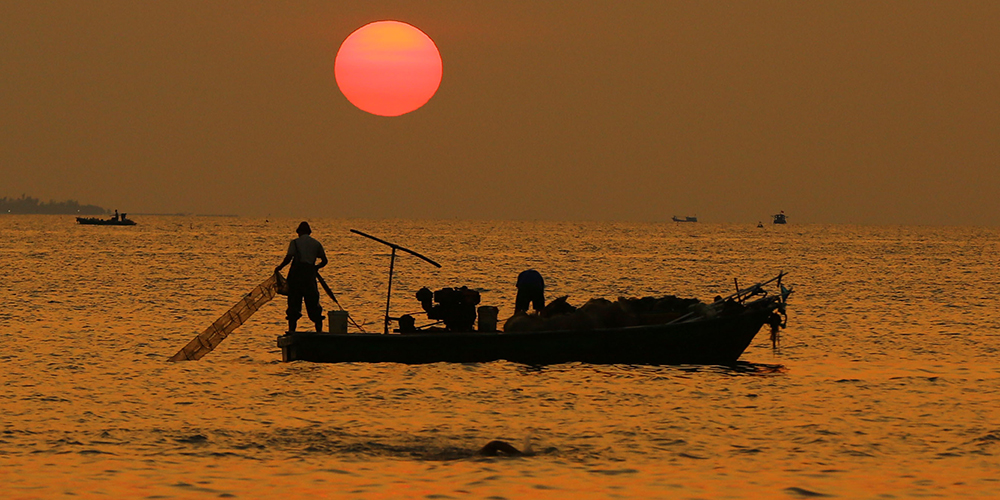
886 383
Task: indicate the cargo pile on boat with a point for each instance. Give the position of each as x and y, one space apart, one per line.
602 313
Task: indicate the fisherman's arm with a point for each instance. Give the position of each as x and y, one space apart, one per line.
289 255
322 258
288 258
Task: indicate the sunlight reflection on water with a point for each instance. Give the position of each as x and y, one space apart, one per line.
886 380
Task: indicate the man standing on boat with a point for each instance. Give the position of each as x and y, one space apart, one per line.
530 289
302 254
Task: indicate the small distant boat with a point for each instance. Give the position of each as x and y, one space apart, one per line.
685 219
780 218
116 220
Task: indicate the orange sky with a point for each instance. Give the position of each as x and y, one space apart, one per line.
840 111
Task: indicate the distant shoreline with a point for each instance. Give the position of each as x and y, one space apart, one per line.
33 206
144 214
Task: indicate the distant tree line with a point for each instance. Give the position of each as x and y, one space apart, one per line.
29 205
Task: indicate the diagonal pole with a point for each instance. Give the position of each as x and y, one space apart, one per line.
335 301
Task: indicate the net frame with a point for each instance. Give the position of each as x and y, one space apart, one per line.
209 339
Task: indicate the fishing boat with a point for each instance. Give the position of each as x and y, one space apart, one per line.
685 219
667 330
715 334
116 220
718 340
780 218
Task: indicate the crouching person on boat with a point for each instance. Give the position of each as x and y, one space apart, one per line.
530 290
302 254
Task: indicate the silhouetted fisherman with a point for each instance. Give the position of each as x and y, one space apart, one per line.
530 289
302 254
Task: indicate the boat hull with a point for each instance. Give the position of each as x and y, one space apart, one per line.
104 222
718 341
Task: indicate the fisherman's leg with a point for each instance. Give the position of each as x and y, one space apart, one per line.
313 308
537 298
294 311
522 300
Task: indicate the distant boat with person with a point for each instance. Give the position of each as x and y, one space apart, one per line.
685 219
115 220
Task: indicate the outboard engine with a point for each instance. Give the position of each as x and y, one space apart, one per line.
455 306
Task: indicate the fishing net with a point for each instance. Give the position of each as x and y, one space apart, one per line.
232 319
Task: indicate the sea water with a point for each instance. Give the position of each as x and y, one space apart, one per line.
886 383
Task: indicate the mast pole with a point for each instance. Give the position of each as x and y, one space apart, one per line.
392 263
388 294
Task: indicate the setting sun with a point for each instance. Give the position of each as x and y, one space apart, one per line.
388 68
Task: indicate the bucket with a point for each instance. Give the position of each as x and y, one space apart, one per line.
488 318
337 321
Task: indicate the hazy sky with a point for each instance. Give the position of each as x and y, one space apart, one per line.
841 111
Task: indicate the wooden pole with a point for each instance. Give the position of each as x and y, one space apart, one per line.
388 295
392 262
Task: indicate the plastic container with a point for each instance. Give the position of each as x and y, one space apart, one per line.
488 318
337 321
